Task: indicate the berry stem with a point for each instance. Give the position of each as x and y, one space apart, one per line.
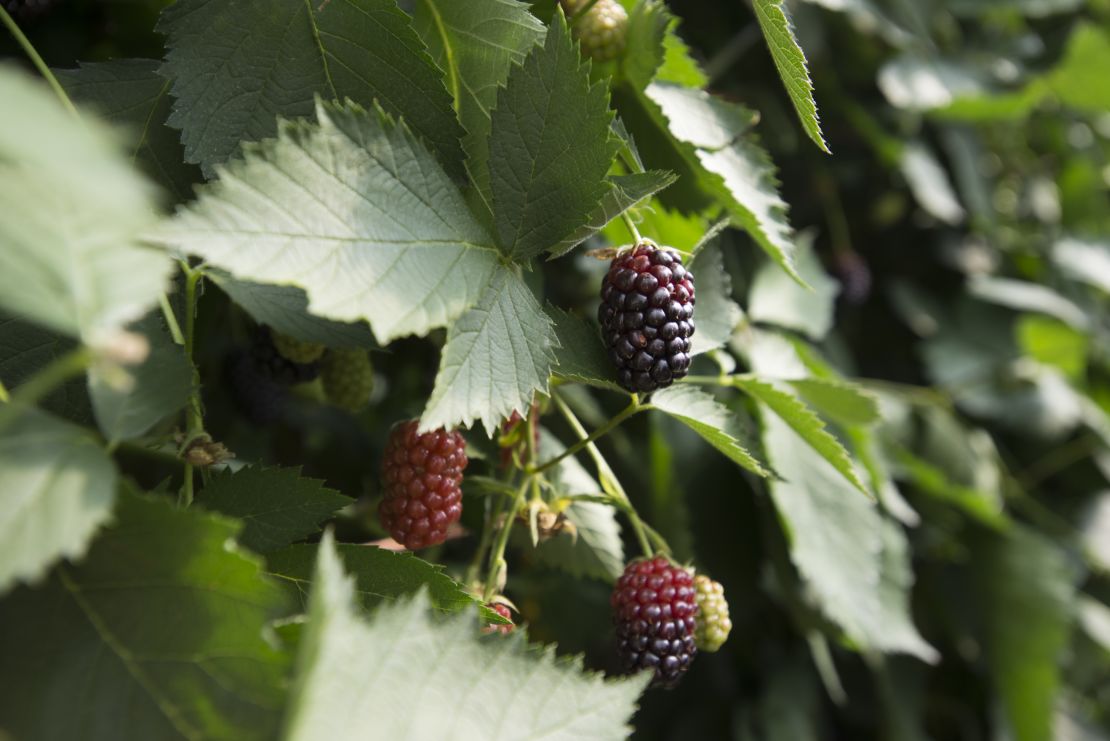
171 319
40 65
633 407
618 496
497 555
194 416
631 227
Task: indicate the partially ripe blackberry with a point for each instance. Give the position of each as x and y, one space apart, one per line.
502 610
601 31
296 350
258 397
714 623
275 366
654 610
647 317
421 474
348 378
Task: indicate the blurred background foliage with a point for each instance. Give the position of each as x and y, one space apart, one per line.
963 222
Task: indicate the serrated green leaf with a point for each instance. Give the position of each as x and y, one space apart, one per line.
285 309
704 415
644 48
712 137
596 549
717 314
775 300
582 357
380 576
71 208
476 43
843 402
790 61
549 148
804 422
277 506
159 387
498 354
855 562
130 92
1025 590
237 66
157 634
679 65
625 192
418 663
58 487
26 348
353 210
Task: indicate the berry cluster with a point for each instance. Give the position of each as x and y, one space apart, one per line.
259 378
421 474
646 315
348 378
714 623
602 30
654 611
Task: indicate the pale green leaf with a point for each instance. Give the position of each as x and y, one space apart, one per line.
625 192
855 563
132 93
776 300
71 208
276 505
704 415
1025 591
804 422
1028 296
420 662
353 210
842 402
1032 8
929 184
582 357
285 309
596 549
58 487
158 387
713 139
679 65
1054 343
549 147
717 315
1087 261
160 633
476 43
917 82
790 61
381 576
498 354
235 67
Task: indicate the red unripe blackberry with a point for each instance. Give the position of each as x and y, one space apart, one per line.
654 610
647 317
503 611
421 474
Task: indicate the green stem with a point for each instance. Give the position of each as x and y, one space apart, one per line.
620 497
194 415
497 555
600 432
581 12
493 514
40 65
171 319
631 227
72 364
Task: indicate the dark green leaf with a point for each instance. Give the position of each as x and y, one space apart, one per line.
582 358
704 415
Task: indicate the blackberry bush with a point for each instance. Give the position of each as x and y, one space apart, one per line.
647 317
654 611
421 474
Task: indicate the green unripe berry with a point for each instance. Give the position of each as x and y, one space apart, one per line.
713 621
601 31
348 378
297 350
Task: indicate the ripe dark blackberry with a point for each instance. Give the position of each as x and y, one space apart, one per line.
646 315
421 474
261 399
275 366
654 610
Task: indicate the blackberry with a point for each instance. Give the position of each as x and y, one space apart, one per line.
261 399
714 624
296 350
654 611
647 317
275 366
502 610
348 378
421 474
602 30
